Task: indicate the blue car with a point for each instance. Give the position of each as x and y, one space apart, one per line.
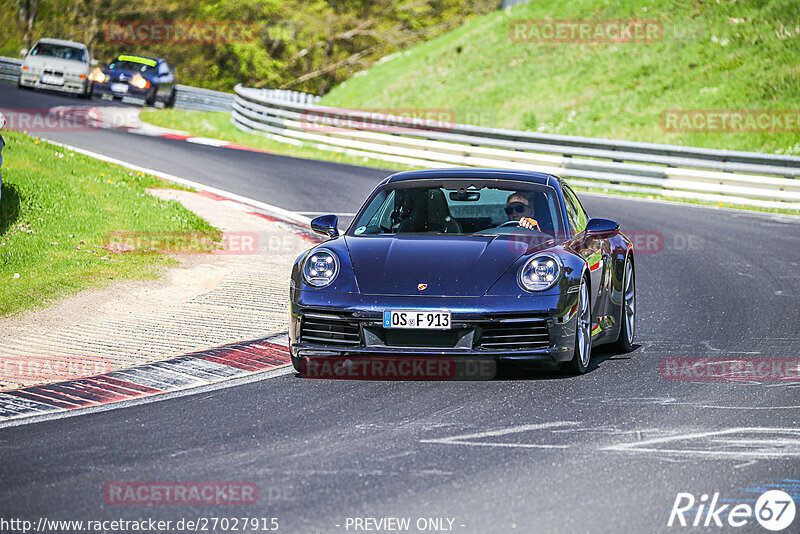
488 264
147 78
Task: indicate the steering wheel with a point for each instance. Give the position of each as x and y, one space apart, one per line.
510 223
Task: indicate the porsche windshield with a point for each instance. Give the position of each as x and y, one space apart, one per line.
451 209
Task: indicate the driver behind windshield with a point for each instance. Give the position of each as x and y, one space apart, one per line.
519 208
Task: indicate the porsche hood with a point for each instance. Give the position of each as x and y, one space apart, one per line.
463 266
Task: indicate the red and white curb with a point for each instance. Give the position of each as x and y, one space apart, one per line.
186 373
190 371
302 230
207 141
127 119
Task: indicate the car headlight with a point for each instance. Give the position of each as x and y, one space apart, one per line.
139 81
540 272
320 268
97 76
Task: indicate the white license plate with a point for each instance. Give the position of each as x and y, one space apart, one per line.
418 319
119 87
49 79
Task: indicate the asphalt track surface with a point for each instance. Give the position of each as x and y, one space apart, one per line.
538 452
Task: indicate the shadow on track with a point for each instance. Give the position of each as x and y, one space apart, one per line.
600 355
382 368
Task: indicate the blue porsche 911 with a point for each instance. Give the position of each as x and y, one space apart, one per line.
502 265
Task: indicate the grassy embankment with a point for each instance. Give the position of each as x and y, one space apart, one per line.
712 56
56 212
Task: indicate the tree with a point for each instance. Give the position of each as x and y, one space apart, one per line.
26 18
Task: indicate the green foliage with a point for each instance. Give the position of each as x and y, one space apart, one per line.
318 42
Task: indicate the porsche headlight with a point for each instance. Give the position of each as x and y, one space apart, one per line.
540 272
320 268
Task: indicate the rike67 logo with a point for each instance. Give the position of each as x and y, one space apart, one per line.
774 510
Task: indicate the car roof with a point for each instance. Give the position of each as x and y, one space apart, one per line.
47 40
480 174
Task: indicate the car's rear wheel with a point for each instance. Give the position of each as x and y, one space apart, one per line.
582 352
627 327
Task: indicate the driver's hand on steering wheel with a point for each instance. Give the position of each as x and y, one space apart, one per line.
529 223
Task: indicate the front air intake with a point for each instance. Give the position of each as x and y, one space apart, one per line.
329 329
514 334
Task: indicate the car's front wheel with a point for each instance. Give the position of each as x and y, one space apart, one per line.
582 352
627 326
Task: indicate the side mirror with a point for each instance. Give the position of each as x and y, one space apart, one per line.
23 52
326 225
602 227
94 63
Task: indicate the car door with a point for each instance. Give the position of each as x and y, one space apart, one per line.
592 250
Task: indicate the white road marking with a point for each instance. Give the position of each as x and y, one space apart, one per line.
785 442
275 210
461 439
207 141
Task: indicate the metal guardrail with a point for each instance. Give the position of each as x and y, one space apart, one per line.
9 68
188 97
747 178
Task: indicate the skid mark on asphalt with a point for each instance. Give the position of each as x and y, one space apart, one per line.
473 439
185 372
744 443
741 443
701 404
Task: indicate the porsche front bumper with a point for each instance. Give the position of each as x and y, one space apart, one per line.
519 328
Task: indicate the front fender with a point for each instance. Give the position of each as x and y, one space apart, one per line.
573 267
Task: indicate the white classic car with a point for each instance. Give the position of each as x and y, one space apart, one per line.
57 65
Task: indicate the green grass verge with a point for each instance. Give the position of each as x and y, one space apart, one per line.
56 211
713 55
217 125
